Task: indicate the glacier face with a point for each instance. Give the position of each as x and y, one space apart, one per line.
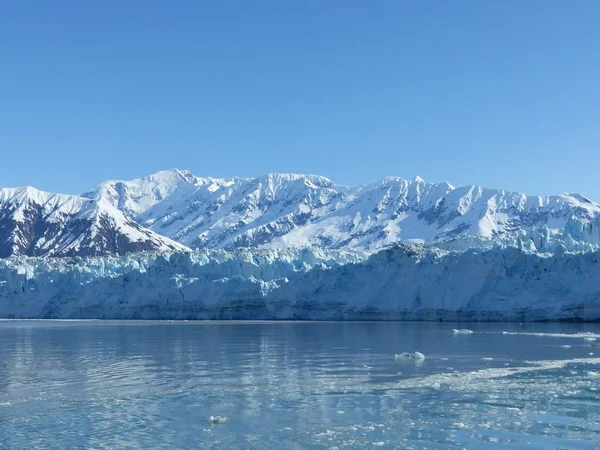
407 282
283 210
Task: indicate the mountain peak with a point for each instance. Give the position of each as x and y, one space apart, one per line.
317 179
38 223
170 176
296 210
25 194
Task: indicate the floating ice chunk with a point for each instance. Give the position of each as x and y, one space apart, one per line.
463 331
487 359
217 419
558 335
565 346
590 339
418 356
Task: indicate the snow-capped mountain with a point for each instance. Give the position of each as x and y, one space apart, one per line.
282 210
37 223
286 246
174 210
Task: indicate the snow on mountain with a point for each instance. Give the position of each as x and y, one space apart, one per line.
409 282
288 246
136 196
282 210
38 223
174 209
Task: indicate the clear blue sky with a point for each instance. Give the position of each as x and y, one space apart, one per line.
498 93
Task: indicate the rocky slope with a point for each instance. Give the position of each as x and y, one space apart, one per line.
282 210
174 209
37 223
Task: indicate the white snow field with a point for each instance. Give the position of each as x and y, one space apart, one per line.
282 210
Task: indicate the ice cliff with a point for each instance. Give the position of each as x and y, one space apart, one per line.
408 282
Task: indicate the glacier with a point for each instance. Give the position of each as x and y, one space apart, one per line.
172 245
403 282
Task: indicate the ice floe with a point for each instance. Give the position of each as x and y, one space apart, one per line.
586 336
217 419
463 331
417 356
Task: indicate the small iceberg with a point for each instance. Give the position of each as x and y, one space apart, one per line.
217 419
590 339
417 356
565 346
463 331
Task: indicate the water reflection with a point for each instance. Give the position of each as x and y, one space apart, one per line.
303 385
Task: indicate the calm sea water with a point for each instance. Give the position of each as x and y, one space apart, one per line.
106 384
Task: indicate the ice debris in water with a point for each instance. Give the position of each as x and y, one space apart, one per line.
590 339
565 346
217 419
463 331
407 355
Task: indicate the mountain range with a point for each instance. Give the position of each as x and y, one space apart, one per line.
175 210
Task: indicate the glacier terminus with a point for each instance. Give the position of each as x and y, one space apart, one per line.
286 246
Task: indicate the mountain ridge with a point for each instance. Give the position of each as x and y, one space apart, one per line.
294 209
39 223
176 210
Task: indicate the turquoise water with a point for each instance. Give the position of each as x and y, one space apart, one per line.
106 384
